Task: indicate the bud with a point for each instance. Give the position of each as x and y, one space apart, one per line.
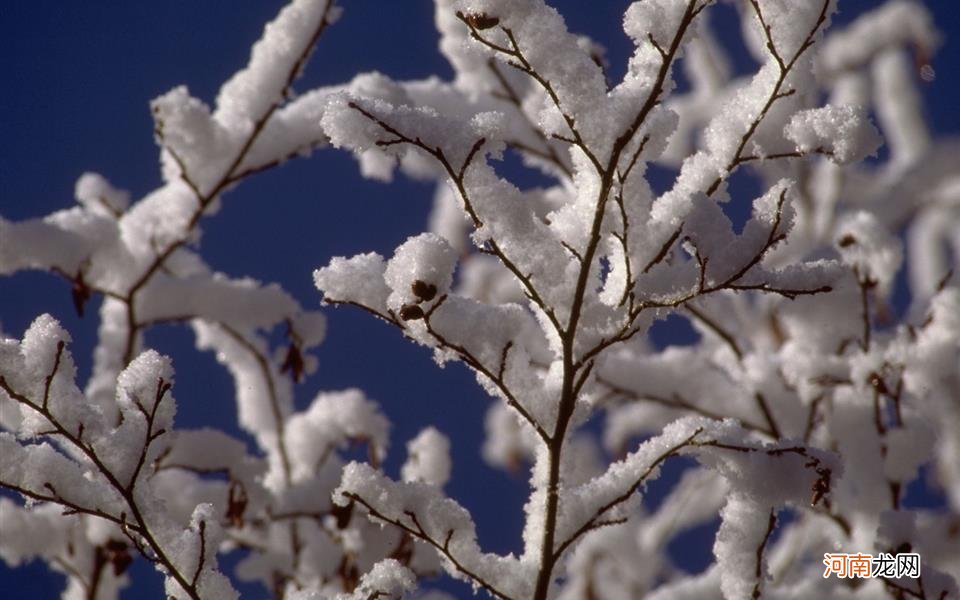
293 362
411 312
342 514
119 556
80 293
847 241
423 290
481 21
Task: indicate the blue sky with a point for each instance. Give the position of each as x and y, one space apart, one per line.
78 79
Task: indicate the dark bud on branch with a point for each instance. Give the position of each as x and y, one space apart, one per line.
80 293
342 514
119 556
879 384
481 21
424 291
819 490
847 241
411 312
236 504
293 363
821 487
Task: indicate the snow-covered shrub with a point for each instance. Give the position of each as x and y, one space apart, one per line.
806 405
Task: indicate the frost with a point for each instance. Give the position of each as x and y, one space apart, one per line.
841 132
358 280
865 246
428 515
428 458
330 422
427 259
801 409
274 59
386 578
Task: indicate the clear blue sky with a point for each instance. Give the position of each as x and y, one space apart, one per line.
78 77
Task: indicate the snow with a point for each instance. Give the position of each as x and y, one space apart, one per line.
842 131
428 458
786 403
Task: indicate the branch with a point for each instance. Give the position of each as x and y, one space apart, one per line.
70 507
203 550
128 496
776 93
149 435
417 531
279 427
595 521
715 327
457 176
663 249
204 200
678 402
821 487
53 372
771 524
473 362
548 153
521 64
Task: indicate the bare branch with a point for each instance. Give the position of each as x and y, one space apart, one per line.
771 524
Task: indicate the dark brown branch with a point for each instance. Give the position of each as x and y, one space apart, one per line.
99 563
776 93
663 250
679 403
473 362
503 360
149 434
511 96
902 589
102 291
203 550
793 154
773 238
865 284
572 251
633 160
128 496
595 521
624 238
53 372
389 318
764 407
812 418
277 162
457 176
70 507
205 199
520 63
715 327
568 394
821 486
417 531
771 524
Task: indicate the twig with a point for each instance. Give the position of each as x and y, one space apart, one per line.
417 531
771 524
595 522
776 93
